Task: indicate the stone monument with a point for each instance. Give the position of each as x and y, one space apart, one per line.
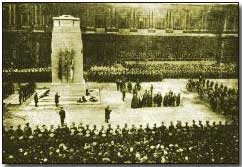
67 50
67 55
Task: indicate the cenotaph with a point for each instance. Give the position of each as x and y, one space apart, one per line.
67 56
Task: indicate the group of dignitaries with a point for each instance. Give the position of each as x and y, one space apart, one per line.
149 98
201 142
155 100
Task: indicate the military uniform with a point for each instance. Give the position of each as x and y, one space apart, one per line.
36 99
62 114
107 114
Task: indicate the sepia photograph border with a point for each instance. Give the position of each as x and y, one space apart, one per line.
143 164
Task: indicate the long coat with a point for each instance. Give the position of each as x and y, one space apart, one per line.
36 99
107 113
62 114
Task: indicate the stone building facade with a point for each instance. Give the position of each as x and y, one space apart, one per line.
114 32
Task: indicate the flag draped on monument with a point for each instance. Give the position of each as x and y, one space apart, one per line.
67 50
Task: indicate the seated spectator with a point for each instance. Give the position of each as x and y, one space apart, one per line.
202 143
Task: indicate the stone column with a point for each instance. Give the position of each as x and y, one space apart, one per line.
202 21
188 20
172 19
134 17
43 20
225 23
28 19
35 14
37 53
115 18
21 19
167 20
234 24
205 22
149 20
152 19
14 14
40 14
32 15
9 14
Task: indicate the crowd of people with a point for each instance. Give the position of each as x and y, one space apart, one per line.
26 91
148 99
26 70
221 98
156 72
199 142
7 88
141 71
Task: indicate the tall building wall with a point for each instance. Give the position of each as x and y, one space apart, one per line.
112 30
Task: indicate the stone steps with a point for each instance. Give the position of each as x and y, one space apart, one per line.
52 103
69 98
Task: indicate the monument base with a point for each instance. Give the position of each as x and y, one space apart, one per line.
69 93
68 89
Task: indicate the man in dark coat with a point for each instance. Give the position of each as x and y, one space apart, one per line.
20 96
62 114
178 99
27 130
123 90
151 89
155 100
24 94
19 132
159 99
118 84
130 87
165 100
107 114
57 99
36 99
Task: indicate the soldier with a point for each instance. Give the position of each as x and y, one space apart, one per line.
165 100
24 93
178 99
37 131
107 114
137 85
149 99
118 84
151 89
19 132
159 99
62 114
57 99
125 130
36 99
5 108
123 90
109 130
87 92
20 96
130 86
27 130
155 100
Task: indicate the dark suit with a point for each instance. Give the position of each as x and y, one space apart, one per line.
36 100
62 114
57 99
107 114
